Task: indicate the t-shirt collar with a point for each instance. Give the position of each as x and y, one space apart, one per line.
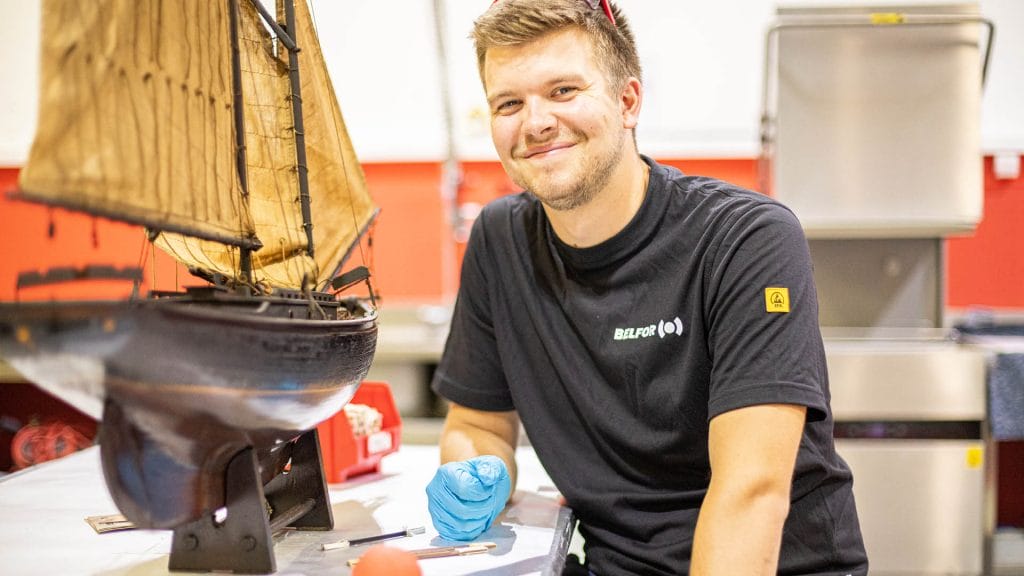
627 241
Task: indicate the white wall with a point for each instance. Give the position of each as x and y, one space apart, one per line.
1002 110
382 57
703 67
19 79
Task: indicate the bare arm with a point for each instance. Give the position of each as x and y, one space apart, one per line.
753 453
468 433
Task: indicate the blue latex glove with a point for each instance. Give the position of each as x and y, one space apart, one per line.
465 497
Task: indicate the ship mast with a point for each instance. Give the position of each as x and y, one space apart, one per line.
236 82
286 38
300 133
296 99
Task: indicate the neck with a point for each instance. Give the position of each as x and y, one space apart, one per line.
610 209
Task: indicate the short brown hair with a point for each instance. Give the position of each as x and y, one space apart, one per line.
515 22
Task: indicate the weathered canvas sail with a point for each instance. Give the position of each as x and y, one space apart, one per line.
342 207
136 123
116 97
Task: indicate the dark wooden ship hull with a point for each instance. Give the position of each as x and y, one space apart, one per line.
183 383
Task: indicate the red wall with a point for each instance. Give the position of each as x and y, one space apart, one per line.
412 237
77 240
987 268
410 231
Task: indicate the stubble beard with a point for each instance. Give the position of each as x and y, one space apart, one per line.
592 178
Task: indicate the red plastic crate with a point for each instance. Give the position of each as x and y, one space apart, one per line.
344 454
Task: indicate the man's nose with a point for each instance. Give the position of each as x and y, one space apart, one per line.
540 118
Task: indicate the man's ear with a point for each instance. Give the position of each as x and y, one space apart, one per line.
630 99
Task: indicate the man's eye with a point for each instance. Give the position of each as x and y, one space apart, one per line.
565 90
506 106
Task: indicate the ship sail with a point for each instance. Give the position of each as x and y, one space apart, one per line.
119 82
136 123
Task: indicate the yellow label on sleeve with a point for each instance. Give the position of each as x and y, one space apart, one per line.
776 299
975 457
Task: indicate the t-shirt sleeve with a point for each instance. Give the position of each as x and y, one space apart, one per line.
470 372
762 315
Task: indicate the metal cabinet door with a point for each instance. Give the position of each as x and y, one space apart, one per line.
921 503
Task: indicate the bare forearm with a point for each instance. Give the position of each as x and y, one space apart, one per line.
468 433
752 451
739 533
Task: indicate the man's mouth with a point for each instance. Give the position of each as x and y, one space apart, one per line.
540 150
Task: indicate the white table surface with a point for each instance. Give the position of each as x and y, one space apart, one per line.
43 529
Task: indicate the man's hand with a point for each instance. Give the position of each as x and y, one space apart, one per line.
465 497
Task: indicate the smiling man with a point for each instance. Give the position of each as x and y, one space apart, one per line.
655 333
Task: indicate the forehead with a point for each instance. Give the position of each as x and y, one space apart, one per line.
556 54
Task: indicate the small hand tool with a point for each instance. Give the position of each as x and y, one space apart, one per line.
371 539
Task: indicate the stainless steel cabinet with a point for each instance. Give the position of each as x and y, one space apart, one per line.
872 121
910 423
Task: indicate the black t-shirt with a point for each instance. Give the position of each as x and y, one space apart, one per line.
617 357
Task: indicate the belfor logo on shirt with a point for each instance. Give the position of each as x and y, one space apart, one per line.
776 299
661 329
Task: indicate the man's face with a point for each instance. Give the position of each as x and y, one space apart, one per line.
555 122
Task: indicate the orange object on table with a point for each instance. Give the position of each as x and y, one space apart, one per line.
346 455
382 560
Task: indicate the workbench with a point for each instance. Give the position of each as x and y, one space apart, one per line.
43 528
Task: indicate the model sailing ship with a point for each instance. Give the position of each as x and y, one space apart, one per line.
191 119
